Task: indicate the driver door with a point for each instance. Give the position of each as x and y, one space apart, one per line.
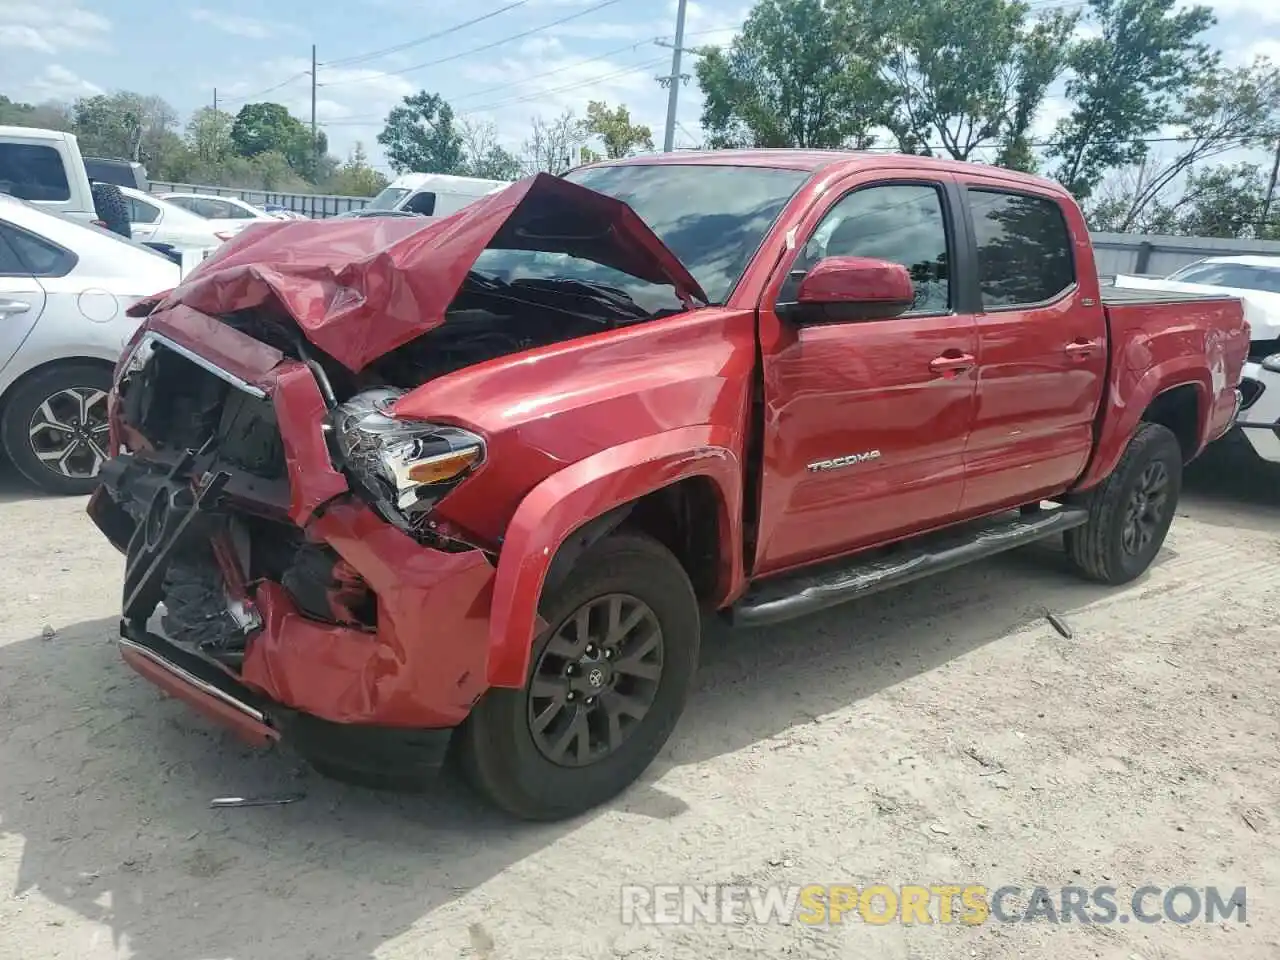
866 422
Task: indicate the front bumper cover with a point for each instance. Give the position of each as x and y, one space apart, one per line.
422 668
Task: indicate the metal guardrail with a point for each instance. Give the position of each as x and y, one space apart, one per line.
314 205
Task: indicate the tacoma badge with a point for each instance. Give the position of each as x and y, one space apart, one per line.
846 461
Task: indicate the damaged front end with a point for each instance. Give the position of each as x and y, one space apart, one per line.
283 566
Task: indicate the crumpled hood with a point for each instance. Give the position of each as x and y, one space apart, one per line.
360 287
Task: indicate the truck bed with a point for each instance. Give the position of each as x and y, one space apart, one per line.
1113 296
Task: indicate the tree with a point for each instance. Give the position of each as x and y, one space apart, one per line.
965 74
800 74
261 128
209 134
621 137
51 116
1226 110
1123 82
553 145
127 126
420 136
356 178
483 156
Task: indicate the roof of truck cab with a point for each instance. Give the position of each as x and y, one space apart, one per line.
815 160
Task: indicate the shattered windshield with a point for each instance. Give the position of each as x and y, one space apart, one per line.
713 218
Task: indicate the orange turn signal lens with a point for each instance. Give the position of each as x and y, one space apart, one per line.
444 467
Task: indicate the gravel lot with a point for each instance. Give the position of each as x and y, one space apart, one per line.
944 733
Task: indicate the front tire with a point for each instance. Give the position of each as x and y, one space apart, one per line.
54 427
1130 512
606 684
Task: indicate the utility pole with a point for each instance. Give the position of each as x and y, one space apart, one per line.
215 99
315 143
1271 190
674 81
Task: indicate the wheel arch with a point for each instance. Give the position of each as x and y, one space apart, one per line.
646 485
10 388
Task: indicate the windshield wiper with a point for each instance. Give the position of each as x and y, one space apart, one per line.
602 293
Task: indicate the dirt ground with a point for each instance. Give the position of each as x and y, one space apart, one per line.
943 733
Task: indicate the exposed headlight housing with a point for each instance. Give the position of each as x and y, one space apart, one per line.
406 466
1272 363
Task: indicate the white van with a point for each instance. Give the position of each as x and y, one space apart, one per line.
432 194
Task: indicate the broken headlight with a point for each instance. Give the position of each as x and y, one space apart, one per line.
405 465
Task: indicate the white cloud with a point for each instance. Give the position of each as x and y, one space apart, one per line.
48 28
58 83
234 24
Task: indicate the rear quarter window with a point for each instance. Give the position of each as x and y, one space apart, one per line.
33 172
1024 248
37 256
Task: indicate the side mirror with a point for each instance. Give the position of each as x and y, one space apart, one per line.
851 289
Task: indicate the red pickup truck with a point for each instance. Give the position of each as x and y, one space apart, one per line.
401 491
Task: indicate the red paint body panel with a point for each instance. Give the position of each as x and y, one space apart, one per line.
243 726
1151 354
566 500
968 412
423 667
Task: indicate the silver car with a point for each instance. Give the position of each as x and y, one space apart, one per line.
64 290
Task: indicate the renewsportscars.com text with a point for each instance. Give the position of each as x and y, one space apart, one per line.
966 904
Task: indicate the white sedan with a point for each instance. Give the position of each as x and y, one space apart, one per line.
159 223
227 215
64 290
1255 280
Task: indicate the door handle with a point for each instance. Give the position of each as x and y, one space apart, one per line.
1079 349
10 307
955 364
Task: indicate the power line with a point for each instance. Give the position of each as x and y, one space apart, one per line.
474 50
271 89
374 54
549 73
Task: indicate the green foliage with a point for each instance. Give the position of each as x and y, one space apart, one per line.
356 178
420 136
620 136
1124 84
802 73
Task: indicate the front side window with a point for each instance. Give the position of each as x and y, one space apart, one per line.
30 171
899 222
423 203
1024 249
387 199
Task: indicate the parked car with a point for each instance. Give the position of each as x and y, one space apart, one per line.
44 167
64 290
1256 281
431 194
156 221
281 212
225 214
468 484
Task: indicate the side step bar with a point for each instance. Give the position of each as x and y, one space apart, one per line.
813 589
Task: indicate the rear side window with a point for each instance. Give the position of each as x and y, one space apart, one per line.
140 212
1024 248
37 256
33 172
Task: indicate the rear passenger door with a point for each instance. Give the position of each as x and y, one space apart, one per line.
1042 357
22 298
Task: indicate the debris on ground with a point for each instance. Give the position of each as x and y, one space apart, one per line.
221 802
1059 624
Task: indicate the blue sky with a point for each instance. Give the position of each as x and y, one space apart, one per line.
184 49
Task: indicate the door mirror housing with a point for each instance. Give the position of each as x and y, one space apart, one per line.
851 289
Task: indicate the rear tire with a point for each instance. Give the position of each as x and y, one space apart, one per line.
1130 512
110 206
74 392
515 760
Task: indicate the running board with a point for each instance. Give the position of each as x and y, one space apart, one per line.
813 589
